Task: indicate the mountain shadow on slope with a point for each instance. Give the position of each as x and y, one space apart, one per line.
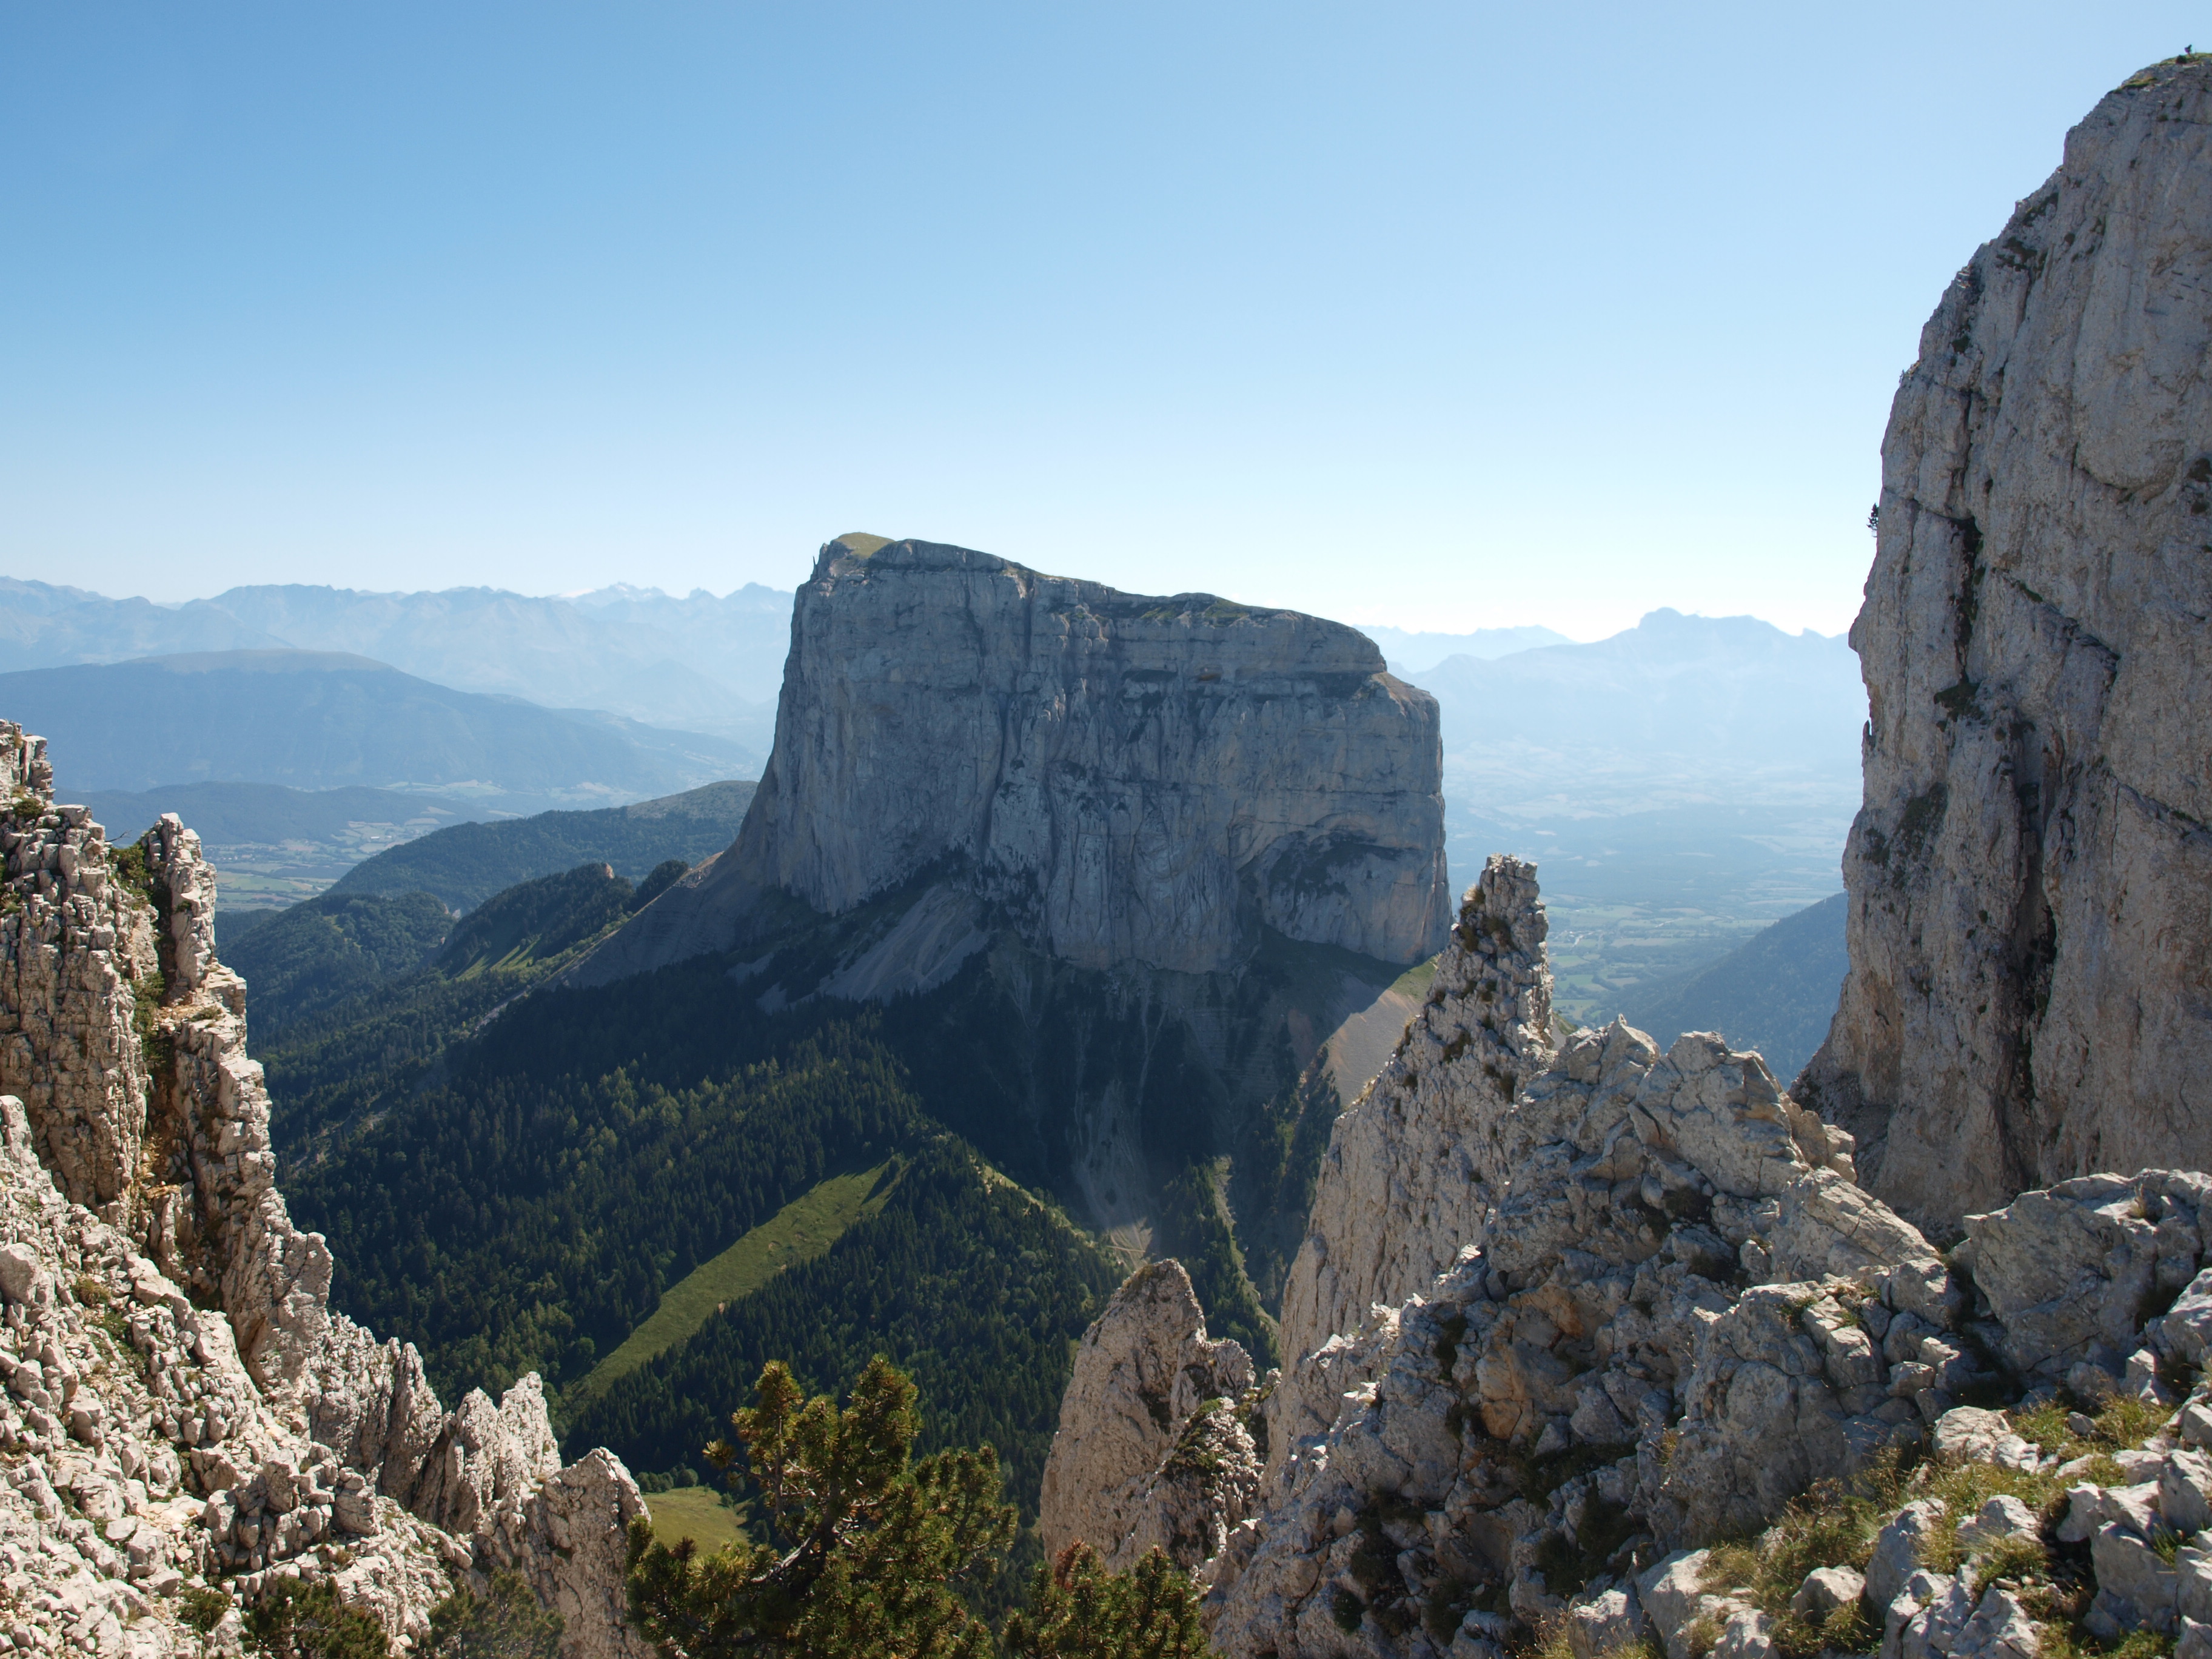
1775 993
466 863
342 1021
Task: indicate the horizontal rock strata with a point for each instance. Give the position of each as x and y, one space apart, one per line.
1132 781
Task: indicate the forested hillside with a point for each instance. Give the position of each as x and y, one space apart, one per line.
466 864
352 997
520 1199
321 952
971 1285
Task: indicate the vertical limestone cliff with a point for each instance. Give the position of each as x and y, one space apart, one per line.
1131 780
1142 874
171 1360
2030 993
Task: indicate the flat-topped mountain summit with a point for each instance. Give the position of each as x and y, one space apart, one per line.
1125 780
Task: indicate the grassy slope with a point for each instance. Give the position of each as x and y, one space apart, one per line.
800 1231
694 1512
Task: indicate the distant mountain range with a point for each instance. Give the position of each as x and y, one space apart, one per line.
1409 655
467 863
1683 783
1680 785
322 719
698 663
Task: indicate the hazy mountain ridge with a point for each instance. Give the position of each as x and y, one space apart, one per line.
314 720
1678 709
1411 653
699 662
1682 784
1773 995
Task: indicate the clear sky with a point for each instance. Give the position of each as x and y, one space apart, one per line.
1440 316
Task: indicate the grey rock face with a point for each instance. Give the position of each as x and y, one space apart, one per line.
252 1429
1151 1449
1132 780
1675 1314
2030 879
1411 1169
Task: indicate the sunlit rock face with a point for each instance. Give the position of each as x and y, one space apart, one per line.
180 1400
1127 780
2030 993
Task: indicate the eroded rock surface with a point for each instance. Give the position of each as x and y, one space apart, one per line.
1152 1448
1412 1167
1674 1313
170 1359
1131 780
2031 877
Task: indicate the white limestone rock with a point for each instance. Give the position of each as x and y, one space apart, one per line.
2031 887
152 1437
1410 1170
1150 1448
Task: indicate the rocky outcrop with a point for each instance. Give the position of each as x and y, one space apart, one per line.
1153 1449
1669 1312
1411 1168
1586 1365
171 1360
1130 781
2031 877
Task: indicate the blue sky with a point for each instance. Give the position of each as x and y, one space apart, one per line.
1433 315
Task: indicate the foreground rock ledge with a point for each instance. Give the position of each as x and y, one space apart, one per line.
181 1406
1676 1312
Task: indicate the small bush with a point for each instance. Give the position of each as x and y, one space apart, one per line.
504 1623
307 1621
1346 1609
132 867
202 1607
